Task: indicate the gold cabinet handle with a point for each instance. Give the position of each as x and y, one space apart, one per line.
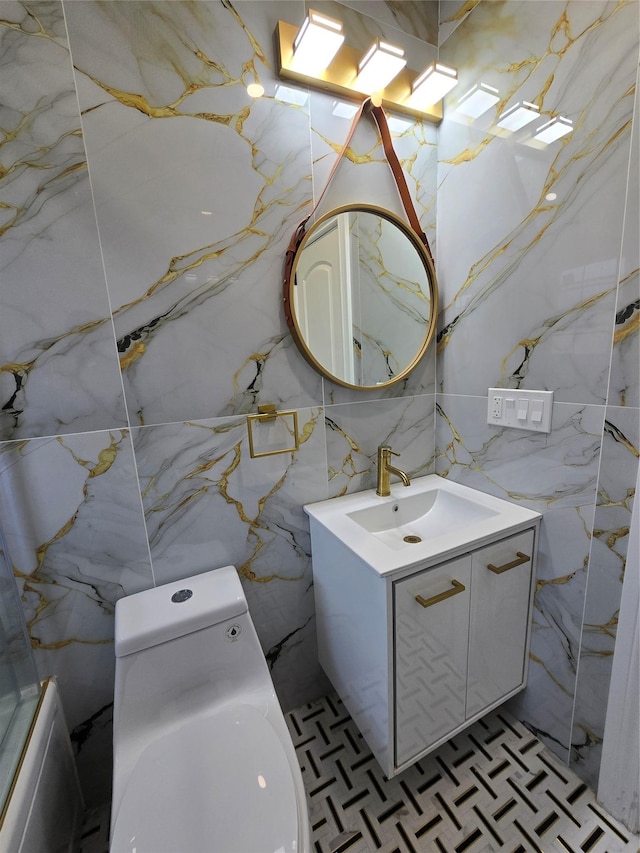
520 559
456 588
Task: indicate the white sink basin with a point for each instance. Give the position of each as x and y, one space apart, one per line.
411 519
415 524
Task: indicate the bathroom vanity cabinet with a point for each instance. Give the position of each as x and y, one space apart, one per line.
421 652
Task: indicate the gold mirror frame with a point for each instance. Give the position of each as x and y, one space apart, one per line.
293 320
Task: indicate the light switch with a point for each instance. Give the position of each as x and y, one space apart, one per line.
523 409
537 407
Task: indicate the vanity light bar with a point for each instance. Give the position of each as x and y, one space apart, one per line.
518 115
304 57
554 129
433 84
317 42
380 64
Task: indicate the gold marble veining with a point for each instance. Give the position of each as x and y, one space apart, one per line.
559 581
36 581
461 13
348 468
255 45
607 629
218 472
106 457
561 40
551 674
18 26
529 344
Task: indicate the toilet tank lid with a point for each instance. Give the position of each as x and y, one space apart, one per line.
163 613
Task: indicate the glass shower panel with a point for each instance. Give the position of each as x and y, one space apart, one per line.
19 685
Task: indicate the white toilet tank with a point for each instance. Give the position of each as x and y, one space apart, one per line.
198 730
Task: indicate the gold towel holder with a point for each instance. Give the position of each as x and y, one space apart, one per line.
267 413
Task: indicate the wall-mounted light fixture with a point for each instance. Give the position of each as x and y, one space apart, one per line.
554 129
380 64
478 100
347 73
317 42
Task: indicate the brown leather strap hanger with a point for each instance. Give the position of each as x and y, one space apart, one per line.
378 113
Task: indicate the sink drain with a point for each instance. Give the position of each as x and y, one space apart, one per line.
412 539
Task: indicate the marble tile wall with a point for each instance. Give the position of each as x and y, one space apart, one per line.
540 287
146 205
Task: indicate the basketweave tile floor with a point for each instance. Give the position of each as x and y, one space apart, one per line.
493 787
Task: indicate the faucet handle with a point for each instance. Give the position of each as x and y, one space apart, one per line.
385 448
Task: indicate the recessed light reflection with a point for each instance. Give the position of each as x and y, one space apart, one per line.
343 110
206 212
289 95
551 196
255 90
262 781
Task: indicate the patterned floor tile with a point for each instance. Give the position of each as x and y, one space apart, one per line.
493 787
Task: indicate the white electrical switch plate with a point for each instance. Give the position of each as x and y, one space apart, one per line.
520 409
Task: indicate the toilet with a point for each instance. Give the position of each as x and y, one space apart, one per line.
203 759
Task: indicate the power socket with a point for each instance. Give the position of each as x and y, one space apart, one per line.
496 406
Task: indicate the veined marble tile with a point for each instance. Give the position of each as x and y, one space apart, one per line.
354 431
198 188
71 512
616 494
624 382
208 504
555 474
529 290
419 19
451 14
58 362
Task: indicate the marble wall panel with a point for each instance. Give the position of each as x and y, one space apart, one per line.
609 551
71 511
208 503
540 272
354 431
556 475
419 19
451 14
624 382
58 362
198 188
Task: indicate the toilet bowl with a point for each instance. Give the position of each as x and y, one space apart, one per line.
203 759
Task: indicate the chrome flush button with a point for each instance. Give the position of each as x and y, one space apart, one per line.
181 595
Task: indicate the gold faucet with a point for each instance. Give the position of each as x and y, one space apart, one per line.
385 468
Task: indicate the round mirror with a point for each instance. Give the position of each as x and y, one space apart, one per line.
361 297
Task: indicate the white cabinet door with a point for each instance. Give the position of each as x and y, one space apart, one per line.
499 620
431 631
